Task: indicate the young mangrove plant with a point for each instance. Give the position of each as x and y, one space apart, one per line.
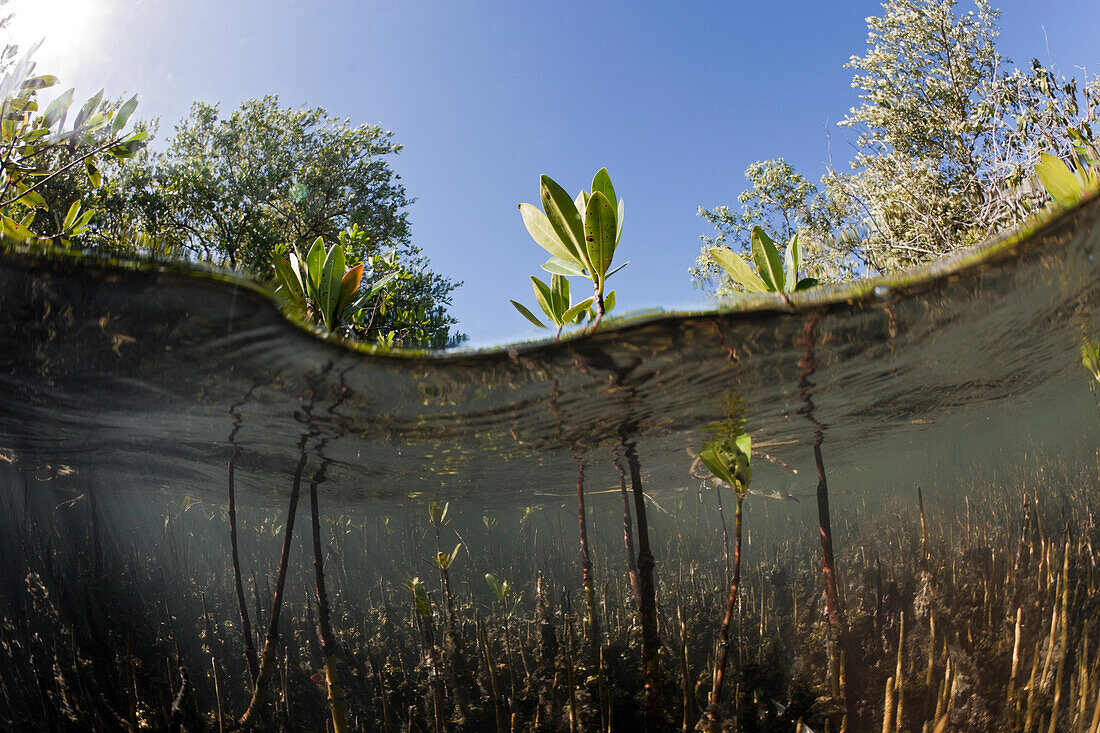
729 458
321 286
777 273
556 303
581 236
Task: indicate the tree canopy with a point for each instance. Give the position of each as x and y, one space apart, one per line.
947 137
247 189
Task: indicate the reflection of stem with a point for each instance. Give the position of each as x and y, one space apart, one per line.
628 538
586 569
723 634
246 623
809 365
648 605
268 656
324 625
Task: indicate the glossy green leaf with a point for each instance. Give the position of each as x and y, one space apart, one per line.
14 230
544 298
563 267
87 110
287 276
608 275
599 234
571 314
559 296
123 115
564 218
94 176
737 269
792 260
57 109
769 264
602 182
1058 180
527 314
331 278
805 284
40 82
314 261
619 223
609 302
540 229
581 201
70 216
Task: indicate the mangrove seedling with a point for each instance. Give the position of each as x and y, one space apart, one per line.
580 234
729 458
320 285
775 273
556 303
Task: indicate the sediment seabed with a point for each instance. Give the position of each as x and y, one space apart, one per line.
209 516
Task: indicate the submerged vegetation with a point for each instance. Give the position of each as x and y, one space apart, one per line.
951 623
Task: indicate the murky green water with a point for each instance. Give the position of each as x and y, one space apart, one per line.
128 395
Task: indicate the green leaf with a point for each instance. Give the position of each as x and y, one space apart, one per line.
287 276
32 199
544 298
93 173
123 115
769 264
538 226
564 218
737 269
1058 180
40 82
609 302
559 295
715 463
792 259
88 108
599 234
314 261
571 314
744 443
608 275
805 284
563 267
14 230
581 201
619 223
331 278
527 314
58 107
70 217
602 182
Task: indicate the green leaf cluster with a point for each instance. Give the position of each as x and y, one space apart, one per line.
321 284
422 602
581 235
1067 187
36 147
774 273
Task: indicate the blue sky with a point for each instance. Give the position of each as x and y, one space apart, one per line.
676 99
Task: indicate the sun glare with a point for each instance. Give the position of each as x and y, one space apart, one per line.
68 30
